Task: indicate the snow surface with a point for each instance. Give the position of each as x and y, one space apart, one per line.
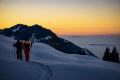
46 63
46 38
16 29
37 40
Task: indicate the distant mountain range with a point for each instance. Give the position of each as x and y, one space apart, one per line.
37 33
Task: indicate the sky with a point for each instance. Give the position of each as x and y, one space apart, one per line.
64 17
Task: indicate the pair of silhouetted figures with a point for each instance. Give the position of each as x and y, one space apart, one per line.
111 56
20 45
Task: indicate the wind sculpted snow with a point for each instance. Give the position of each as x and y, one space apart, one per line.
46 63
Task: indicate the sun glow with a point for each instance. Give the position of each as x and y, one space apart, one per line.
63 19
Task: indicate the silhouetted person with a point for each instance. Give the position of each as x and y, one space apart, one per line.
18 46
27 45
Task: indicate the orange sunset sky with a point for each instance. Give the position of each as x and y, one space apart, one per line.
64 17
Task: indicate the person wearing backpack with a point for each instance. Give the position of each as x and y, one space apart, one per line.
27 45
18 46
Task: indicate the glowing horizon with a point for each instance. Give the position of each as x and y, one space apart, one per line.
64 17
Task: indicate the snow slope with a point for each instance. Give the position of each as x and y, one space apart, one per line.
46 63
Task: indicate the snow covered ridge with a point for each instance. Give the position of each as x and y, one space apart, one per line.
39 34
47 63
16 29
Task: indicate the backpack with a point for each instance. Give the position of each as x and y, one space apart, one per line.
18 45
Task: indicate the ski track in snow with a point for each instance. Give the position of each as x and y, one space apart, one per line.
47 72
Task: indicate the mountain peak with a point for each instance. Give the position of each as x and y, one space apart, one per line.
35 25
20 25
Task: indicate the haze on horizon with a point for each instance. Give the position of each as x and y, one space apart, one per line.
64 17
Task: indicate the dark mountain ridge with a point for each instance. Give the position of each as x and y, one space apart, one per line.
37 33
